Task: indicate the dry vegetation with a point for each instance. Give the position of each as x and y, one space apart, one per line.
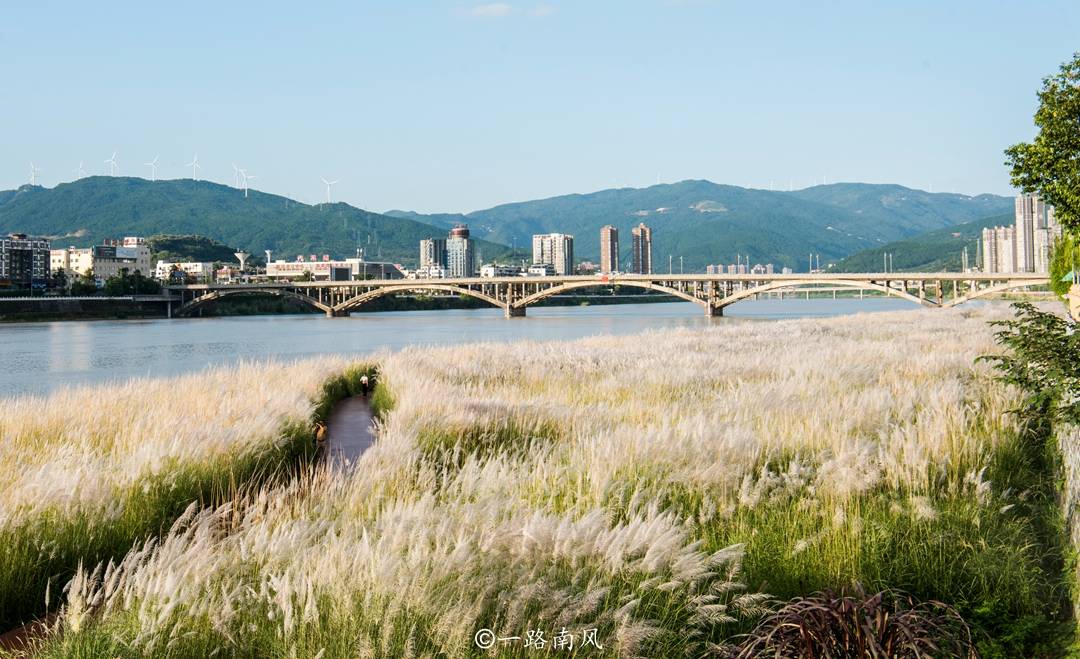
651 487
87 472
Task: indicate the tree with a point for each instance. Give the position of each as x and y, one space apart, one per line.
60 280
131 284
1050 164
84 284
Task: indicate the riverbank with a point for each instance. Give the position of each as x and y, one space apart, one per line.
44 309
648 489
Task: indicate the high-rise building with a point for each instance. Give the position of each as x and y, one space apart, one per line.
24 261
432 253
609 249
460 253
1025 246
1005 237
1030 214
989 250
641 261
555 249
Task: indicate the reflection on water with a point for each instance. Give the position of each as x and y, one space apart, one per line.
38 357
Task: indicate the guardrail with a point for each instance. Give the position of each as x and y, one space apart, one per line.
74 298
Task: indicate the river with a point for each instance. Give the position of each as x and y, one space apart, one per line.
39 357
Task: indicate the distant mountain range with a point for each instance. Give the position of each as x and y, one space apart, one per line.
928 252
705 222
86 211
701 221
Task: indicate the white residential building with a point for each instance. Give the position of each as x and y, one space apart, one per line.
199 271
556 249
104 261
1025 246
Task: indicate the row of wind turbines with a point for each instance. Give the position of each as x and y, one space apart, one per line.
240 175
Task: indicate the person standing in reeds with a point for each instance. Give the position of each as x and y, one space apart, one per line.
364 385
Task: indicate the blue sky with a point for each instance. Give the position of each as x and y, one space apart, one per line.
456 106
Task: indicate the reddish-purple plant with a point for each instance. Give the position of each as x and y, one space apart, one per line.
888 624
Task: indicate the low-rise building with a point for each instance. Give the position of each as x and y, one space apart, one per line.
227 274
587 268
331 270
496 270
199 272
429 272
24 261
540 270
103 261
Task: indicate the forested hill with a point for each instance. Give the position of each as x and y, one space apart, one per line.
86 211
710 223
702 222
928 252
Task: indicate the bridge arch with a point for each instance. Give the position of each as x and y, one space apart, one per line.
990 290
797 283
571 285
375 293
211 296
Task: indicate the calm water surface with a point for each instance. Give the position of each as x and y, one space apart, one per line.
39 357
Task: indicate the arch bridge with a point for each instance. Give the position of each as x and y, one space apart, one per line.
712 292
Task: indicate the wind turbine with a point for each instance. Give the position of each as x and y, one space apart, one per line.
246 177
33 173
153 168
80 172
195 167
236 175
329 184
113 167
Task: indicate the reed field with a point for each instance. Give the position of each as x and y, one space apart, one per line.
88 471
656 494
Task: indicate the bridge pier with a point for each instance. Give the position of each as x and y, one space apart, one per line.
513 312
337 313
714 311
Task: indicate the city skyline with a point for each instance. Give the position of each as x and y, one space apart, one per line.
493 103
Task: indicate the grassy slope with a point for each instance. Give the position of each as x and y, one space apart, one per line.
928 252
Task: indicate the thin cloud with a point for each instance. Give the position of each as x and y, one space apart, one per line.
492 10
542 10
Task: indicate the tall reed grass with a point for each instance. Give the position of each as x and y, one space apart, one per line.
651 487
86 472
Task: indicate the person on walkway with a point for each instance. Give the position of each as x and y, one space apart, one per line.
364 385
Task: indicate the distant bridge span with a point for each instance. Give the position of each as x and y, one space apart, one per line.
712 292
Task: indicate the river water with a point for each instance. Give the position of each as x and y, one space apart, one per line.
39 357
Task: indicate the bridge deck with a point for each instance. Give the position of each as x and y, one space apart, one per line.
713 292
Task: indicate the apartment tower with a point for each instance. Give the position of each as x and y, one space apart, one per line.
609 249
555 249
460 253
641 261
